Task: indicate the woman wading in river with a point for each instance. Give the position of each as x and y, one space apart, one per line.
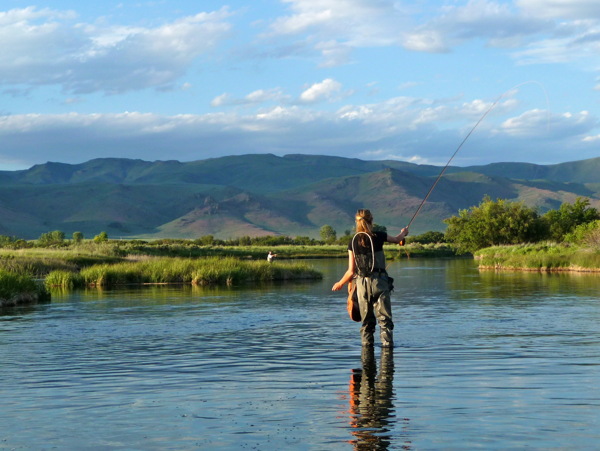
366 264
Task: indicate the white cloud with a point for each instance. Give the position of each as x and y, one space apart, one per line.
495 23
335 27
561 9
404 128
574 41
327 90
541 124
44 47
257 97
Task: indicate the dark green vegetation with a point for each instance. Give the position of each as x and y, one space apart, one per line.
17 289
501 222
509 235
258 195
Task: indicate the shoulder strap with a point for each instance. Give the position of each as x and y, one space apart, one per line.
365 261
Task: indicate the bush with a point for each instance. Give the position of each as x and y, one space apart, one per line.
493 223
430 237
587 234
560 223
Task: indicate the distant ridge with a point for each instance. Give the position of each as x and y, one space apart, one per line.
265 194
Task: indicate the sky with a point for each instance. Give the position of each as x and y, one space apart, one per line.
368 79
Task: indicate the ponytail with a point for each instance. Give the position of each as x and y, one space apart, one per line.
364 223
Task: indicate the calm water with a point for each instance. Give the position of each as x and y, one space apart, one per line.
482 360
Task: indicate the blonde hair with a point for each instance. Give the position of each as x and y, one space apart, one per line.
364 221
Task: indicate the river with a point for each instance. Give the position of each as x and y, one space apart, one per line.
482 361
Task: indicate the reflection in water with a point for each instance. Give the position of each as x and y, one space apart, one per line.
372 412
483 361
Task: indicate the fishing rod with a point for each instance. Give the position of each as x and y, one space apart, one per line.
463 142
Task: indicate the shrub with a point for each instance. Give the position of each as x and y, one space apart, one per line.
492 223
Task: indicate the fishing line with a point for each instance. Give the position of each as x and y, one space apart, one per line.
470 133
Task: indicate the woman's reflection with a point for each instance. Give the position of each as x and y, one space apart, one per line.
371 401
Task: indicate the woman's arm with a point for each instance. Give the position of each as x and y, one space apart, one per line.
347 275
398 238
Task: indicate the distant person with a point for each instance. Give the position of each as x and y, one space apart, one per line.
366 264
271 256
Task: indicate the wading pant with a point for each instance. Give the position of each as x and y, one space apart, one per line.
375 307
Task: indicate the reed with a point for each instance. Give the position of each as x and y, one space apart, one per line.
205 271
65 279
19 289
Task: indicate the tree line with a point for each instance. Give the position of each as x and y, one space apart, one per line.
491 223
504 222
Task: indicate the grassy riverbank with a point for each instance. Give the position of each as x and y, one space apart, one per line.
17 289
136 262
39 262
547 257
205 271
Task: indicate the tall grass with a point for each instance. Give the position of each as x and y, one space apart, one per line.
206 271
38 262
541 257
20 288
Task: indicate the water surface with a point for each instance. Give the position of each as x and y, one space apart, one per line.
482 360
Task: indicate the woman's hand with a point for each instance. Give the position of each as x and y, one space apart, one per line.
337 286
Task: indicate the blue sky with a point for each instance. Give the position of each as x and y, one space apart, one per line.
368 79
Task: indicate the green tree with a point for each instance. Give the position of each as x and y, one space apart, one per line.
492 223
54 238
102 237
564 220
207 240
77 237
6 241
245 240
427 238
328 234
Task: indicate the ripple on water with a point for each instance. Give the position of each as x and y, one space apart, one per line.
476 365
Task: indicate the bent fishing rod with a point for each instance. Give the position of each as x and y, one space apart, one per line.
460 146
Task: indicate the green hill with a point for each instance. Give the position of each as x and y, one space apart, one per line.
266 195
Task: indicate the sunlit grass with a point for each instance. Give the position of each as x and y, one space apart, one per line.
204 271
540 256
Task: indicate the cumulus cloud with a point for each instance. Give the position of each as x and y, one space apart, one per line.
46 47
257 97
335 27
574 41
542 124
328 89
404 127
496 23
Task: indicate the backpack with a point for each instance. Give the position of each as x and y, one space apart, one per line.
364 260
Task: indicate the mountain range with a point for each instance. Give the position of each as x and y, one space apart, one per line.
257 195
